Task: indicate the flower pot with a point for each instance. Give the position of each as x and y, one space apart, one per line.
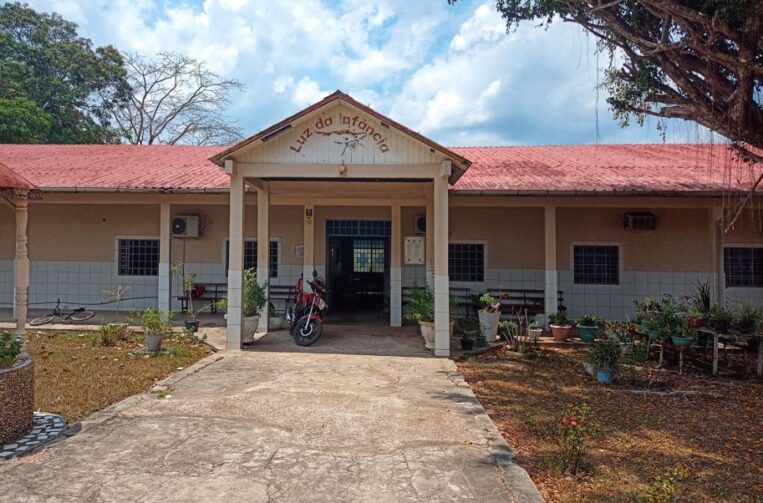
561 332
489 324
192 325
249 328
653 334
587 332
467 344
590 370
534 333
154 342
605 376
275 323
681 341
427 332
644 327
694 321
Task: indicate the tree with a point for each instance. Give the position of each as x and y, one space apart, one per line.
700 60
54 87
176 99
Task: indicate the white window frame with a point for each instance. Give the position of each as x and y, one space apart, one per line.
484 244
723 263
620 268
254 240
122 237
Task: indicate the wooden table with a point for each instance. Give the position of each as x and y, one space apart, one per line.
745 337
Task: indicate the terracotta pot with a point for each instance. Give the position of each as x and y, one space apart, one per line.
561 332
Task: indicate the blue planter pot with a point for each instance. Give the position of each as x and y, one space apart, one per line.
605 376
681 341
587 333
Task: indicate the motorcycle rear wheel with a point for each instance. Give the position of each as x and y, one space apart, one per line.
307 331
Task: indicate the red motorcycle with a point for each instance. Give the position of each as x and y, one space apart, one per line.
306 316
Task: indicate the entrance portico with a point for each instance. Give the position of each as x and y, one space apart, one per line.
340 153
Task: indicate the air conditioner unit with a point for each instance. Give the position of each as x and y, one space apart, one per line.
641 221
186 226
421 224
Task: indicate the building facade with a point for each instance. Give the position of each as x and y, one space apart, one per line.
376 208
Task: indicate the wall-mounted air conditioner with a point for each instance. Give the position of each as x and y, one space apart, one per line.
185 226
640 221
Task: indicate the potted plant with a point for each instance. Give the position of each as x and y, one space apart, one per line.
560 326
420 308
489 312
694 318
253 298
720 318
275 322
685 338
604 357
534 330
746 318
189 291
588 326
156 324
467 339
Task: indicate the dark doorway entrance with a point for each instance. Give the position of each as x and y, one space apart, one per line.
358 267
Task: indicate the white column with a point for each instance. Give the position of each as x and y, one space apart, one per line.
716 221
551 287
429 241
235 261
165 242
263 249
395 271
309 243
441 280
21 268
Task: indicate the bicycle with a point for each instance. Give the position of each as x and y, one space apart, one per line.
80 314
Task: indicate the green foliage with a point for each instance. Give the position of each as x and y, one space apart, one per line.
534 325
700 298
720 317
604 355
747 316
23 121
617 331
588 320
666 485
54 86
559 319
253 294
468 326
487 302
107 335
10 348
420 307
576 426
155 322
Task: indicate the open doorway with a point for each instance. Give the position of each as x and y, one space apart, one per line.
358 270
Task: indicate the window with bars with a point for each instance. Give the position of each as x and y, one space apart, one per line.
596 264
138 257
466 262
368 255
250 256
371 228
743 267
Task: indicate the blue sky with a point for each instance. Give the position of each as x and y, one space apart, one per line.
450 72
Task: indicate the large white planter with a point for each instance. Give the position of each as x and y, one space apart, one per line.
427 332
249 328
489 324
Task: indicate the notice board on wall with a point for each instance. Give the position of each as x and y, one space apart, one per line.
415 250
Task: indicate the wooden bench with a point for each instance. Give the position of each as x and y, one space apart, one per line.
211 293
515 301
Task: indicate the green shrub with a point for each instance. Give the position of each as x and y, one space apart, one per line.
487 302
604 355
666 485
576 426
420 307
588 320
10 348
108 334
559 319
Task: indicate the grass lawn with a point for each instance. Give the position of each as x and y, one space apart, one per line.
75 376
717 438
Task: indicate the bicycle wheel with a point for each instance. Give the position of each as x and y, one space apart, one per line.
42 320
81 315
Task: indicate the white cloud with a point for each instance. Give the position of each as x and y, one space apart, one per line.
307 92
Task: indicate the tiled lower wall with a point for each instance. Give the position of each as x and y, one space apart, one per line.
86 283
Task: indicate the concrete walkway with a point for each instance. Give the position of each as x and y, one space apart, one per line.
280 423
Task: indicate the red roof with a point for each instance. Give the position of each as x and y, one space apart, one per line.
638 168
666 168
9 179
109 167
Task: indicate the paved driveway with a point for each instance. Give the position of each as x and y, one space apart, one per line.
275 424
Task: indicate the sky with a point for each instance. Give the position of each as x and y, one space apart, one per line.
452 73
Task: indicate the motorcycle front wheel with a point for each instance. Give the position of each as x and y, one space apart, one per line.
307 331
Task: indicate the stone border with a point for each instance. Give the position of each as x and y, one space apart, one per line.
46 428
